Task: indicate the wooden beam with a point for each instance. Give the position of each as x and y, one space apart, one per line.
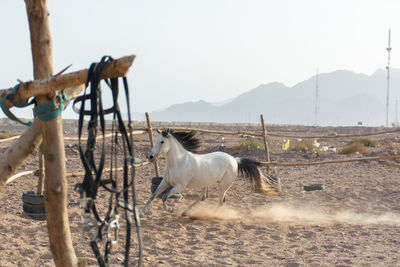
73 174
214 132
72 82
334 136
18 175
297 164
12 138
138 132
19 151
390 164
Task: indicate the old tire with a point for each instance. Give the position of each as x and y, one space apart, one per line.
313 187
31 198
155 182
33 208
33 205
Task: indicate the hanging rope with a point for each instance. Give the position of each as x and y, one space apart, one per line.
121 197
7 111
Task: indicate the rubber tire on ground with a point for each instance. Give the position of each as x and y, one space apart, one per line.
313 187
29 208
31 198
155 182
33 205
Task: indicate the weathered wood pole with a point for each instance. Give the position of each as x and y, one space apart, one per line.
264 133
54 154
150 129
39 189
19 151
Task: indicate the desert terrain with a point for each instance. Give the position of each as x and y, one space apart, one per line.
354 221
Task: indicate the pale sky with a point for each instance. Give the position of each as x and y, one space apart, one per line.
209 50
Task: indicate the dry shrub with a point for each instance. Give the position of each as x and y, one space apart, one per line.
354 148
365 142
137 139
304 146
4 135
250 143
388 144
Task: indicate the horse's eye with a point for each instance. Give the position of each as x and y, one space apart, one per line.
162 142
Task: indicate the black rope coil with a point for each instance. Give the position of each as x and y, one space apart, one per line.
121 197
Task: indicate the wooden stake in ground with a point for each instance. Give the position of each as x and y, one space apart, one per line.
54 154
266 148
39 189
156 169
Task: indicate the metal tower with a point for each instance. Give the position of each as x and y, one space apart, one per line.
397 113
388 49
316 111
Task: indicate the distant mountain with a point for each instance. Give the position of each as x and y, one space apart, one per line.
345 98
220 103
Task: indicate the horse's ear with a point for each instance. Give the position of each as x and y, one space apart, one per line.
165 133
158 130
169 130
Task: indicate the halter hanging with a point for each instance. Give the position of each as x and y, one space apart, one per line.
93 224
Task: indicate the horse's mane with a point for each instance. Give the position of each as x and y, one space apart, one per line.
187 139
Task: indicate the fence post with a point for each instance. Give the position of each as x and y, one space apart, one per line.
152 142
266 148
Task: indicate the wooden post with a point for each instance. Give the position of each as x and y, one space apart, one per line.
264 132
54 154
39 189
152 143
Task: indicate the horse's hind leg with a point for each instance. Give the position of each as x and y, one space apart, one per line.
224 186
203 196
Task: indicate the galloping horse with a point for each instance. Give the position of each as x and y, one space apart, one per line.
186 169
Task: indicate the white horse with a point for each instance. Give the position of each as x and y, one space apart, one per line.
186 169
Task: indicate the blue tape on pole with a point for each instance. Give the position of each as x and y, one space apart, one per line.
50 110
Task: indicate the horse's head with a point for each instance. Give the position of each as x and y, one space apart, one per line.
161 144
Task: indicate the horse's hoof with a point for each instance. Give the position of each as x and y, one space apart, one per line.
170 209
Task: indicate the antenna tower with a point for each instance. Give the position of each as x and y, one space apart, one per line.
388 49
316 111
397 113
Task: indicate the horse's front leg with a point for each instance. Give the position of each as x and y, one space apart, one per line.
176 189
161 188
203 196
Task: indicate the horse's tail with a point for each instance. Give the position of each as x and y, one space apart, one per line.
249 169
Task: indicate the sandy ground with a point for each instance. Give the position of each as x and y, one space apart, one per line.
354 221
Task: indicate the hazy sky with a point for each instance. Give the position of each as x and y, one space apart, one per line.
210 49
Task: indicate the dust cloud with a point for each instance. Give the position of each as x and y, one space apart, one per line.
291 214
